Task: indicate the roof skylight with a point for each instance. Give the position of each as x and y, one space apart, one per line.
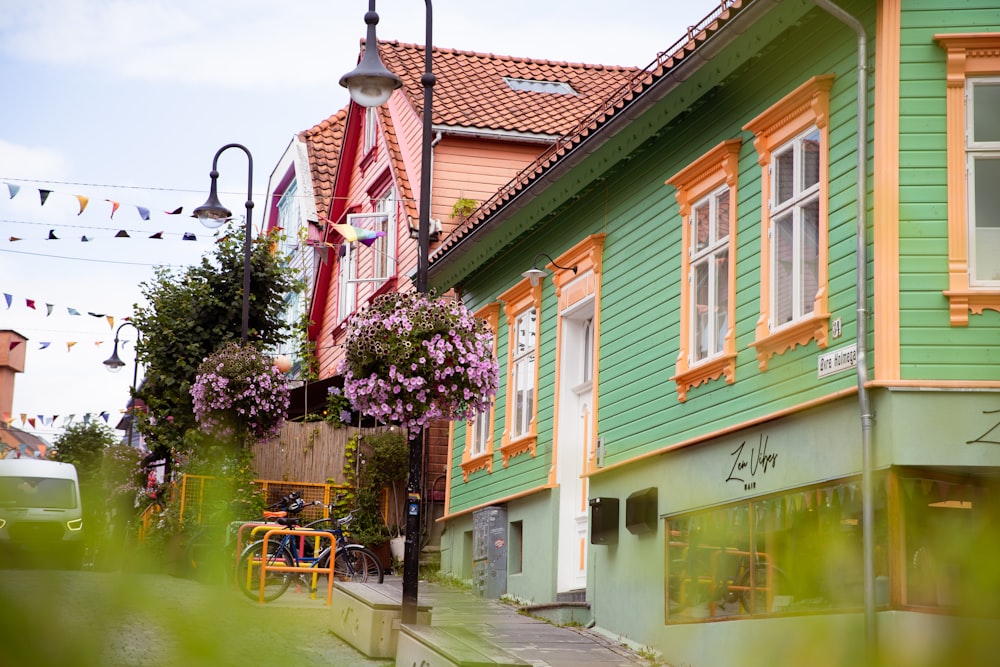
536 86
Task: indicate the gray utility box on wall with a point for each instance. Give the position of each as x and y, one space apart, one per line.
489 551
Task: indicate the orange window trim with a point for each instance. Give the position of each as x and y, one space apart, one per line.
483 461
516 300
968 54
808 105
713 169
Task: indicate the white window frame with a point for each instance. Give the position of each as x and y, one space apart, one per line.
347 297
803 195
716 247
384 258
975 152
523 365
370 130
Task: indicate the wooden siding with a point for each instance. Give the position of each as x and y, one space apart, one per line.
639 411
473 169
931 349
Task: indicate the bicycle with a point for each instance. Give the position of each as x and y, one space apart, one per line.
352 562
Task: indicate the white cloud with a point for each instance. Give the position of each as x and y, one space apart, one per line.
30 162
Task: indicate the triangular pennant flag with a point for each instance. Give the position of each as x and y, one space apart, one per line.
114 207
72 311
48 309
13 189
83 203
84 238
176 211
111 321
157 235
43 345
7 298
188 236
70 344
15 238
104 416
44 194
24 417
122 234
143 212
31 420
52 235
30 303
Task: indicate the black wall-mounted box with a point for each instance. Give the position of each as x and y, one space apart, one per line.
604 521
641 511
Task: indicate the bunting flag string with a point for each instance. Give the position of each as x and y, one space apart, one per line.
70 344
32 304
13 189
53 421
120 234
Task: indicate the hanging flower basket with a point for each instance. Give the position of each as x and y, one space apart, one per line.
238 392
413 358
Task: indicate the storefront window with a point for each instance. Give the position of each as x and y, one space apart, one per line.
951 533
797 552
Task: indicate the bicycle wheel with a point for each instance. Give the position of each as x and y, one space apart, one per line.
249 570
354 562
205 557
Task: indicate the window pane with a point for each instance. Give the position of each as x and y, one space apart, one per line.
948 545
721 299
701 329
702 222
986 111
810 160
525 332
810 256
722 215
782 270
784 175
795 553
986 203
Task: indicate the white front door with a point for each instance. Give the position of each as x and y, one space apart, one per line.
576 421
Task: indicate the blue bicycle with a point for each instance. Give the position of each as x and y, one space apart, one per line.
352 562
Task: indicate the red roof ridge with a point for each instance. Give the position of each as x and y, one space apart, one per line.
516 59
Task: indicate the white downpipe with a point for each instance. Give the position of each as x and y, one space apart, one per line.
861 303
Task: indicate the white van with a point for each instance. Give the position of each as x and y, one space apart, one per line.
40 513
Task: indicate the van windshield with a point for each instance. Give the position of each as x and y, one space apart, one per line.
43 492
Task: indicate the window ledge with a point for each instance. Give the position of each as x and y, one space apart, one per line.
480 462
511 449
710 369
814 327
963 301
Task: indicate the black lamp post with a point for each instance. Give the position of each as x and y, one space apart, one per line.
371 84
115 364
213 214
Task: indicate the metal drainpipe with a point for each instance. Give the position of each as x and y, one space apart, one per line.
861 300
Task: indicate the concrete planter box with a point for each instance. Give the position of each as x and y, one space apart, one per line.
367 617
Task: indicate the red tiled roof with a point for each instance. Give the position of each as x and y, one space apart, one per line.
323 143
470 92
596 117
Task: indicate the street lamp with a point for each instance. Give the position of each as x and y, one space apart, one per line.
371 84
115 364
213 214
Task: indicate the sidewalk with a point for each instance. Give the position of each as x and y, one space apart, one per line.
533 640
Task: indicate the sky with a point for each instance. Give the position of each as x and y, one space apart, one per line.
127 101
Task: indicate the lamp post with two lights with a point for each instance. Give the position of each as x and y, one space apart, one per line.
370 85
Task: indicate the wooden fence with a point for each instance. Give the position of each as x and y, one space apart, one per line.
305 452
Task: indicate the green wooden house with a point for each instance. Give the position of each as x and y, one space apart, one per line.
747 317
